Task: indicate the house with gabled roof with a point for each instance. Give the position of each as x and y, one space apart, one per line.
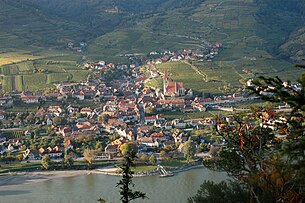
148 142
68 144
41 113
150 119
158 136
30 99
112 149
66 131
87 111
30 154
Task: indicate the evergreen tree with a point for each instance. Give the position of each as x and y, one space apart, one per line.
271 168
223 192
125 184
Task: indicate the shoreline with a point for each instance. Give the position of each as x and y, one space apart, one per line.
11 179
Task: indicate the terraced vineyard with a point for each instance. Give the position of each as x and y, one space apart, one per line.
256 40
40 74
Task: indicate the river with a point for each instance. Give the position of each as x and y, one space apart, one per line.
88 188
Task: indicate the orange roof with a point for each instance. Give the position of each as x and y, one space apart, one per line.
173 87
156 135
150 117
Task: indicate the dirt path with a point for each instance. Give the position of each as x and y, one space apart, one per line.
204 76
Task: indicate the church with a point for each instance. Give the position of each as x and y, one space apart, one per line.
171 88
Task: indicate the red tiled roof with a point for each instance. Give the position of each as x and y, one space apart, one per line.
173 87
156 135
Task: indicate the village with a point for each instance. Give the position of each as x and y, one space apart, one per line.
111 108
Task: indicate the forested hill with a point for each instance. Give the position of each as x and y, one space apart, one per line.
51 22
287 18
124 25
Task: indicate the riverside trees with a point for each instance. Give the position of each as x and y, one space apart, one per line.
189 150
89 157
46 162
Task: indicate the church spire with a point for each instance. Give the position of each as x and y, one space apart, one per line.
165 81
165 78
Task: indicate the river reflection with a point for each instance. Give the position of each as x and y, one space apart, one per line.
88 188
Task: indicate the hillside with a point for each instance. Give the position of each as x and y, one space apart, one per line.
126 25
36 33
286 19
25 27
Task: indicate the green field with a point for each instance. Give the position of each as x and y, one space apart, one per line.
223 76
42 73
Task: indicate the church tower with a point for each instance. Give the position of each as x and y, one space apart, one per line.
165 81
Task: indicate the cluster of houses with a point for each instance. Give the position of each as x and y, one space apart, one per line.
204 54
78 47
123 105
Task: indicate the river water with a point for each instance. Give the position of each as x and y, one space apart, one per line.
88 188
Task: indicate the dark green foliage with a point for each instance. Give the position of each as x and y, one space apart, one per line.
282 18
272 169
125 184
59 121
247 156
276 90
68 161
101 200
223 192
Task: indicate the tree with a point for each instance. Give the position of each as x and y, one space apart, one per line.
19 157
189 149
153 159
104 118
125 183
129 148
46 162
144 158
223 192
271 167
68 161
293 126
113 137
101 200
59 121
163 154
89 157
98 146
30 118
251 155
150 110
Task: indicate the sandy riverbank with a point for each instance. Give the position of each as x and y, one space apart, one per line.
30 177
33 177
